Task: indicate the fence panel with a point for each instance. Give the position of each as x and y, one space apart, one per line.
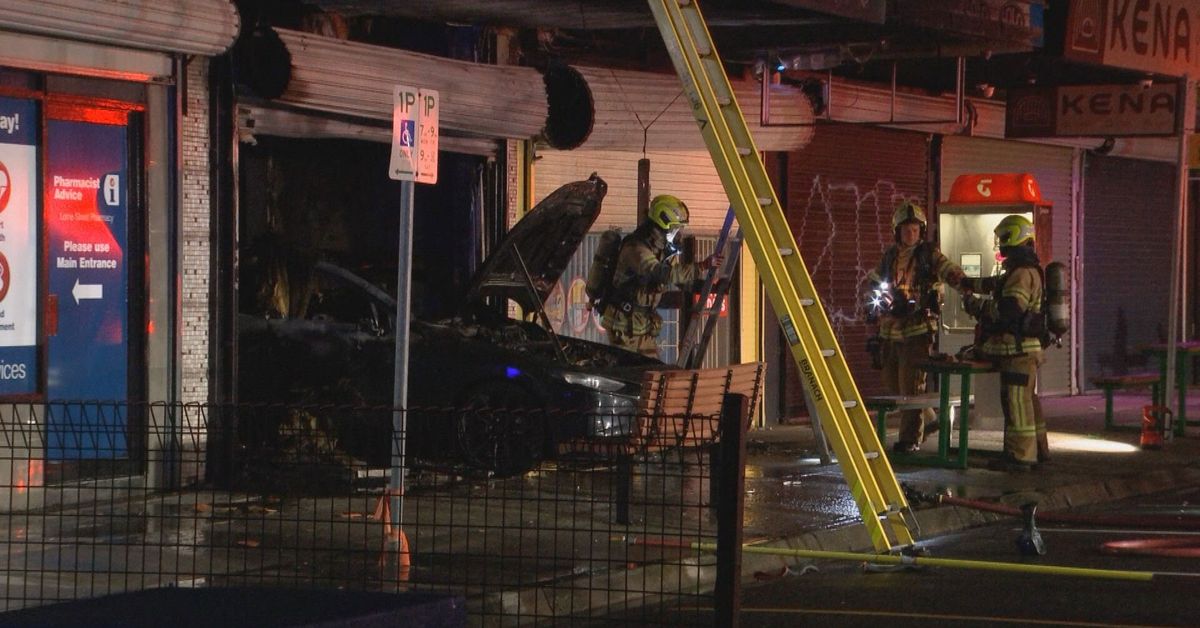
194 495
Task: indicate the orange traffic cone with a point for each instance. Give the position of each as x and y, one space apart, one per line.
1152 426
393 535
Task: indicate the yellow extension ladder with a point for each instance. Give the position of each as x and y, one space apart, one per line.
823 369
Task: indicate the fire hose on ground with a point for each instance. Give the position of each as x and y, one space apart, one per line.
1160 547
906 560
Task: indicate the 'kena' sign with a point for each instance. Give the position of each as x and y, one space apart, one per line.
1092 110
1158 36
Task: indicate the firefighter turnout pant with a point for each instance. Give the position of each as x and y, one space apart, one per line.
1024 426
902 376
644 344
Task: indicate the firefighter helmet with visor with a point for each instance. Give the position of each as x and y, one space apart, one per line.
668 212
907 212
1014 230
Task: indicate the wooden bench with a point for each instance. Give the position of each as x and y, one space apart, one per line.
1111 383
678 409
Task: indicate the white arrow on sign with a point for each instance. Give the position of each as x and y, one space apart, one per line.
87 291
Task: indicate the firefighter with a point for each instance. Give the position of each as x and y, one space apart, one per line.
908 282
647 265
1011 329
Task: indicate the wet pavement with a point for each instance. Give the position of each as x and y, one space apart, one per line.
792 502
548 542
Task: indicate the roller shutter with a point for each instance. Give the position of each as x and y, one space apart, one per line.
200 27
345 78
841 190
636 109
1126 257
254 121
689 175
1052 167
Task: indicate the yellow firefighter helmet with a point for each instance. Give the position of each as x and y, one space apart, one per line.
908 211
667 212
1014 230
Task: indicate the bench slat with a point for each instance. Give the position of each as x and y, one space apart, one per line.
907 402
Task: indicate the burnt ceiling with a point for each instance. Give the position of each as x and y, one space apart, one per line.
917 43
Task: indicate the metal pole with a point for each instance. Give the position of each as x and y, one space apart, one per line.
1187 103
400 387
730 509
1186 255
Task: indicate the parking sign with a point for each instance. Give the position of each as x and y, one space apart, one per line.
405 113
414 135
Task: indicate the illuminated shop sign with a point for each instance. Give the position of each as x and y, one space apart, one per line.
18 246
86 212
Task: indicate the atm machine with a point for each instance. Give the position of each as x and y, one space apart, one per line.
976 204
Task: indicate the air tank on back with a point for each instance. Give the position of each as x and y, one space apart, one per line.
1058 301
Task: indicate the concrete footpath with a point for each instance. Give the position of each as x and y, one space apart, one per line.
793 501
811 508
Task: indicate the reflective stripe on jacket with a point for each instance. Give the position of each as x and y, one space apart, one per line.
1024 285
917 271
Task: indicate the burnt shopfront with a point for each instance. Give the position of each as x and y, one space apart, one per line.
317 224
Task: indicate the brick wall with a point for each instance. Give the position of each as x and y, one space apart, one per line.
194 235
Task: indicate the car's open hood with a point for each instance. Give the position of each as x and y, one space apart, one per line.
546 239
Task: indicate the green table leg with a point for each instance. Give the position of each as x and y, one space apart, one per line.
1161 398
944 418
1185 360
965 392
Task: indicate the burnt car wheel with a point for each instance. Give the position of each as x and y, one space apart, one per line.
501 429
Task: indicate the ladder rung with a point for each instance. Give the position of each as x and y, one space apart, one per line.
724 101
764 201
745 152
785 251
806 302
828 353
870 455
849 403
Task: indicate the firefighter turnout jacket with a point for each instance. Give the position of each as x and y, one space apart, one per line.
1016 298
643 273
915 275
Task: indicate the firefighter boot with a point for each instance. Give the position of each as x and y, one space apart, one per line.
1043 447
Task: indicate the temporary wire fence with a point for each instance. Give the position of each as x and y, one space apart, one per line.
508 510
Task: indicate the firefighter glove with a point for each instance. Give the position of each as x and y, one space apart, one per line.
712 261
973 305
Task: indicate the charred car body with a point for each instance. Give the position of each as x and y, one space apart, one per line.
494 392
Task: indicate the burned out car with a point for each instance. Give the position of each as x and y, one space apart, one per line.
485 389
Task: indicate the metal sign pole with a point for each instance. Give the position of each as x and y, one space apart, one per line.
400 386
1178 244
414 157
